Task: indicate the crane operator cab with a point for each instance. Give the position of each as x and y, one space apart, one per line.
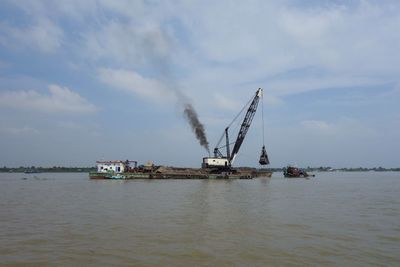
211 162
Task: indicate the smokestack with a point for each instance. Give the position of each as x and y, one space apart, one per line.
197 127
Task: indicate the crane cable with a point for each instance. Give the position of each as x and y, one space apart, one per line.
234 119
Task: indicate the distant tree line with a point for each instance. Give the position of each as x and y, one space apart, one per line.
47 169
330 169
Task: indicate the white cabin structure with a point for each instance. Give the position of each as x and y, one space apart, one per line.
116 166
211 162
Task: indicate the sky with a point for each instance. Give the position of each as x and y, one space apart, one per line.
82 81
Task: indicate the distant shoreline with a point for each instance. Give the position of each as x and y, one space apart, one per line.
329 169
42 169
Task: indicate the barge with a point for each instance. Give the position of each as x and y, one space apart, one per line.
122 170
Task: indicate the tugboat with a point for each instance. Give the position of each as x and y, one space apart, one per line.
294 172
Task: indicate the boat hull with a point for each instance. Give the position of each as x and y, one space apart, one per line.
182 173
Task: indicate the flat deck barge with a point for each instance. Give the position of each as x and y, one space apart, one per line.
162 172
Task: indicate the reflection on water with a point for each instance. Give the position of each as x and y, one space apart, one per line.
335 219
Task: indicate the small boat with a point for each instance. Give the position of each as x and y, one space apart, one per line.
294 172
31 171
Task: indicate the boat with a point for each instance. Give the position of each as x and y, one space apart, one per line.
295 172
119 169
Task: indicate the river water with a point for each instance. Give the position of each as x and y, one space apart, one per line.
334 219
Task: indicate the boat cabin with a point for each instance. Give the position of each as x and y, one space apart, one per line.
115 166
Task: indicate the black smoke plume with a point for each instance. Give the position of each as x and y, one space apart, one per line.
158 48
197 127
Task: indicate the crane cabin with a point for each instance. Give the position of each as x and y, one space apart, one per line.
210 162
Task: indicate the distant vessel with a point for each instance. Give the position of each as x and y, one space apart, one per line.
294 172
31 171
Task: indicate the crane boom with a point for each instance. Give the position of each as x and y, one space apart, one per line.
251 111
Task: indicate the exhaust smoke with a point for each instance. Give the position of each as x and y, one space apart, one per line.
197 127
158 46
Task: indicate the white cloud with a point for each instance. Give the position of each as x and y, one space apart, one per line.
60 99
132 82
352 44
226 102
137 44
342 38
250 42
280 87
44 36
346 128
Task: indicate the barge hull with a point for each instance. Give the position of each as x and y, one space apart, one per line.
183 173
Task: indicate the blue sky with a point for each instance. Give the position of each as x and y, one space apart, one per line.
82 81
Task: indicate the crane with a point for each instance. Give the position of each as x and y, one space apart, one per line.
225 162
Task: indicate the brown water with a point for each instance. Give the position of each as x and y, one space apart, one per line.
334 219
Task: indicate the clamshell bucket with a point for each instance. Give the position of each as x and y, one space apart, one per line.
263 157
